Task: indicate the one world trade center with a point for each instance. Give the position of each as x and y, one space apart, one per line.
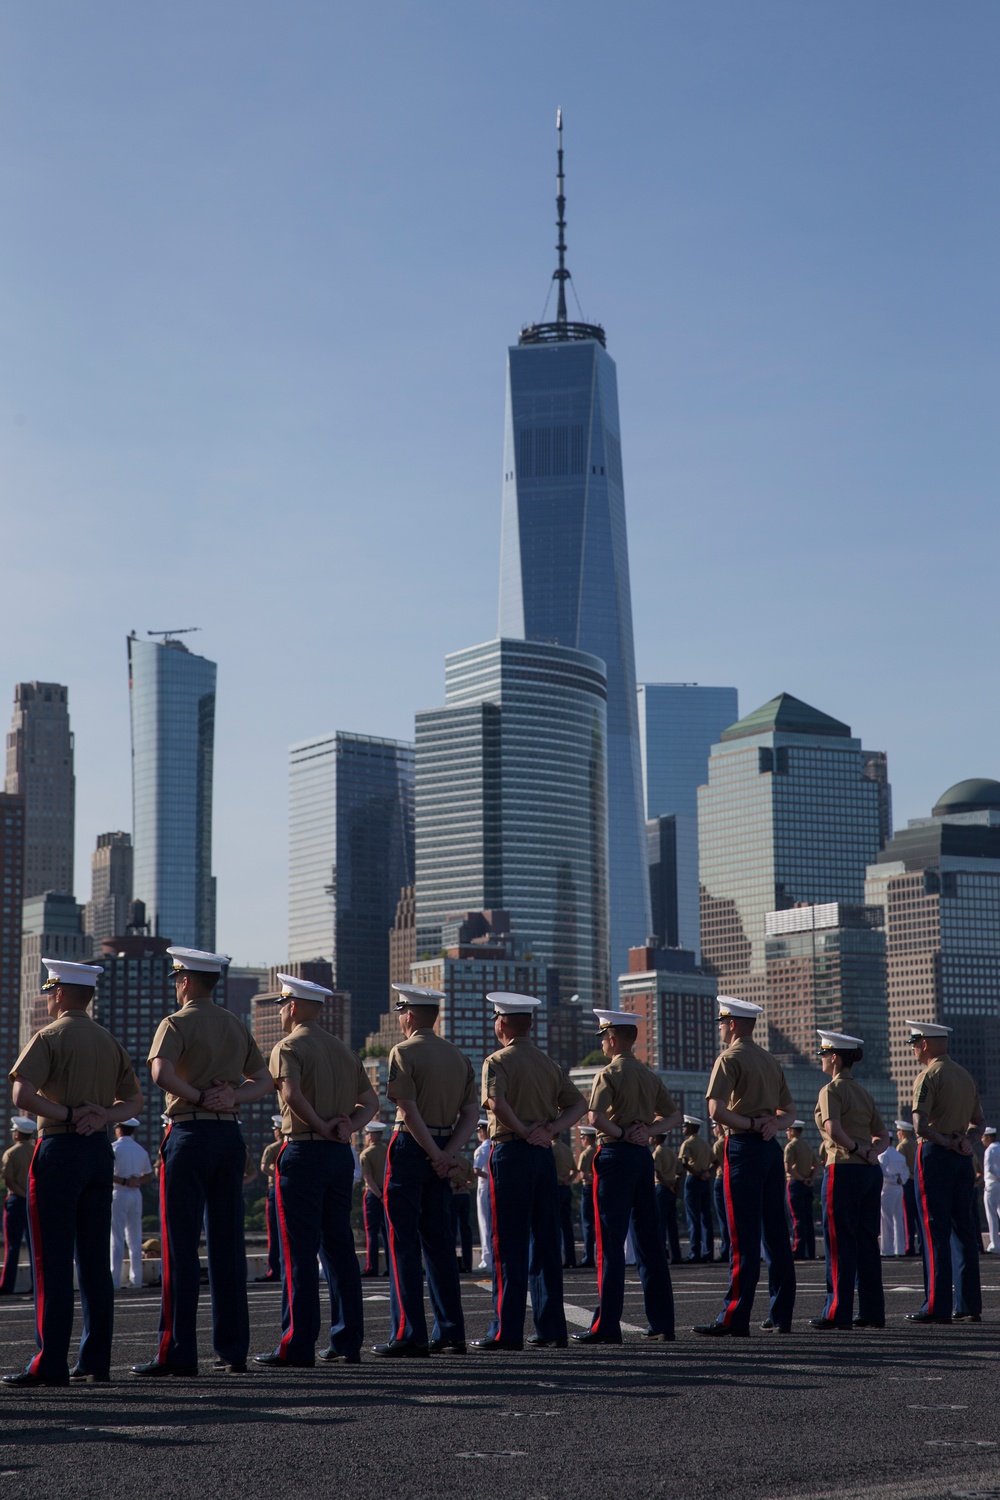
564 573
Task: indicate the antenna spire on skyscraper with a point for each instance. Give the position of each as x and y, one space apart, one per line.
562 328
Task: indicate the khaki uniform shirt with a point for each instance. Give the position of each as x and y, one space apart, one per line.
585 1164
844 1100
534 1086
564 1162
748 1081
665 1166
907 1149
329 1074
73 1061
372 1159
14 1166
801 1159
205 1042
695 1155
627 1092
719 1155
948 1096
435 1074
268 1159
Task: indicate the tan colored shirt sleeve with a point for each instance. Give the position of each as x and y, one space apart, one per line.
166 1043
722 1082
35 1063
664 1103
284 1061
602 1095
568 1095
494 1082
401 1084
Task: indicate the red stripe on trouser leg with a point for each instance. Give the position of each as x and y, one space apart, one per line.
286 1252
167 1303
495 1236
925 1220
795 1222
368 1232
831 1231
392 1238
36 1256
599 1245
734 1240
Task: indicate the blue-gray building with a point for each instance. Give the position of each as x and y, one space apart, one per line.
511 810
564 574
172 707
350 852
679 722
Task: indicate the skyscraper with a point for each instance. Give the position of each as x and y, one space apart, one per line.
350 853
106 913
788 816
51 927
11 900
511 812
564 574
172 706
40 769
679 722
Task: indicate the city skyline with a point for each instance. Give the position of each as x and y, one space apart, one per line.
221 386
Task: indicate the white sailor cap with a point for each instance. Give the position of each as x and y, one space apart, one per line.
194 961
132 1124
276 1121
903 1124
588 1129
376 1127
483 1122
417 994
990 1130
797 1125
507 1004
920 1029
301 989
24 1124
739 1010
837 1041
64 973
693 1120
608 1018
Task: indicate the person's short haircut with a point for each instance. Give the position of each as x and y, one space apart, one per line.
519 1024
204 982
126 1129
627 1033
78 994
424 1015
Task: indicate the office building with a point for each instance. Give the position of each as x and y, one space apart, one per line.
787 816
12 887
350 853
679 1032
679 722
564 571
40 769
243 981
938 884
51 927
132 996
403 939
511 810
172 707
875 764
107 912
826 972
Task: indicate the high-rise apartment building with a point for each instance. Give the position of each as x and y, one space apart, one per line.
132 996
511 811
51 927
787 816
938 884
826 971
403 938
679 722
40 769
350 852
172 706
11 900
106 914
564 572
679 1032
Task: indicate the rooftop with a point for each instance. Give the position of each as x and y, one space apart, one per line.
791 716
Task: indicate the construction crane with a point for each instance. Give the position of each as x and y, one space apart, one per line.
168 635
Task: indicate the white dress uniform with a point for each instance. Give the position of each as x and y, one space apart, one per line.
895 1173
131 1160
481 1161
991 1195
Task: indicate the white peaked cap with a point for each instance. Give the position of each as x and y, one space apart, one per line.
797 1125
197 962
693 1120
837 1041
608 1018
275 1121
24 1124
512 1005
588 1129
926 1028
739 1009
903 1124
132 1124
417 994
66 973
375 1126
990 1130
301 989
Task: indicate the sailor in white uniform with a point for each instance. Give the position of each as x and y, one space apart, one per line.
481 1167
132 1168
991 1188
895 1175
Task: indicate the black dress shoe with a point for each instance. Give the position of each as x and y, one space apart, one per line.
767 1325
662 1338
828 1325
155 1371
447 1346
274 1280
590 1337
278 1361
26 1377
366 1274
87 1378
966 1318
861 1323
231 1366
720 1331
398 1349
923 1317
495 1346
587 1265
535 1341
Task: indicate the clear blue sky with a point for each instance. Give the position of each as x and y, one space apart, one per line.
259 266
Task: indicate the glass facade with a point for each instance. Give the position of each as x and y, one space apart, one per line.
350 853
172 706
511 805
564 575
40 769
12 887
679 722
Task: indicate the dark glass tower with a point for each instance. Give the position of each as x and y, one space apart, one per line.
564 574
